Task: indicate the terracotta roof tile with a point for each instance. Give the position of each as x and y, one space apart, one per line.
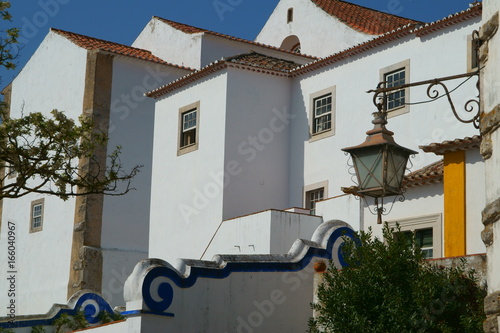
430 174
262 61
192 30
473 11
251 61
91 43
363 19
453 145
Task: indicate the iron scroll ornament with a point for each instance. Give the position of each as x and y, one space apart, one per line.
471 106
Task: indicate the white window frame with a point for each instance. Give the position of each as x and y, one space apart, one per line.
184 149
434 221
37 203
313 135
309 189
400 66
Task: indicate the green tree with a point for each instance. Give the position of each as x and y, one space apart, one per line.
388 287
53 155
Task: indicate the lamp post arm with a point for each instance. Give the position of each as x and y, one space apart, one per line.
380 94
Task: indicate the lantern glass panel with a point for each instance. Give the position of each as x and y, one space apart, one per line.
396 166
369 166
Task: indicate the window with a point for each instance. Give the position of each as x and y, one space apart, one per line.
313 194
397 98
322 114
427 232
394 76
296 48
188 128
11 171
312 197
423 240
472 55
36 216
289 16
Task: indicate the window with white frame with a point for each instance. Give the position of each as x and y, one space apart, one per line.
314 193
396 102
188 128
322 114
424 240
36 216
427 232
312 197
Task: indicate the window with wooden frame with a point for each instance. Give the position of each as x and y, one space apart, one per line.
188 128
322 114
36 215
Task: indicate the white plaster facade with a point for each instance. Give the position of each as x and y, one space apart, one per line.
254 153
55 78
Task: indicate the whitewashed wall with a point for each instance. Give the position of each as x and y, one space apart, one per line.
53 78
257 138
186 197
170 44
268 232
475 200
313 26
323 160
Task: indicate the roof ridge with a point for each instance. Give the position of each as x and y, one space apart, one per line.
379 11
99 39
366 20
93 43
220 34
175 22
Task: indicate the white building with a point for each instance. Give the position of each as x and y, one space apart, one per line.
235 133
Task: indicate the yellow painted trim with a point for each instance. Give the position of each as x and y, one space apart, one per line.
454 204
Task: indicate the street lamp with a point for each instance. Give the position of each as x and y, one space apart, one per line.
380 163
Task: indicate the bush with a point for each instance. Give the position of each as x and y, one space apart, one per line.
387 287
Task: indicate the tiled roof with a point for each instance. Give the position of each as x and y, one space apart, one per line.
363 19
91 43
429 174
251 61
473 11
192 30
453 145
262 61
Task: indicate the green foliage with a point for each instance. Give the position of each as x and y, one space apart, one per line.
38 329
8 39
41 155
388 287
106 317
70 323
6 330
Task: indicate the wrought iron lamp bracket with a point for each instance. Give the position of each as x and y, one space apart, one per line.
472 106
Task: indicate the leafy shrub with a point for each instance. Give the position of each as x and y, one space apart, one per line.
389 287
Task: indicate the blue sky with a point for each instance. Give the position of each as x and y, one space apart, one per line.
121 21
